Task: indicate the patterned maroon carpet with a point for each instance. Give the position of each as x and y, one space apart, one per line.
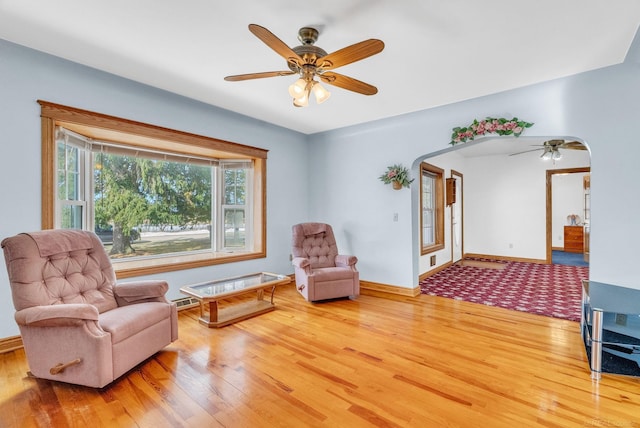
550 290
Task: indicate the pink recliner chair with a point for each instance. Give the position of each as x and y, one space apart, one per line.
77 324
322 273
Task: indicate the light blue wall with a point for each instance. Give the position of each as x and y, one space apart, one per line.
602 107
333 176
27 75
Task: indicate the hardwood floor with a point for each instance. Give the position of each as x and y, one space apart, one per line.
425 362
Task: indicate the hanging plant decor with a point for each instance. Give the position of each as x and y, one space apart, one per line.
490 125
396 175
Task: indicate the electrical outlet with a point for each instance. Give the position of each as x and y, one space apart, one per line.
432 260
395 216
510 245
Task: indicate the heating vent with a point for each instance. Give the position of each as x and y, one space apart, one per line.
186 303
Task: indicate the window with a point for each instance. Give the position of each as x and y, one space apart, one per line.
432 208
159 199
72 203
235 205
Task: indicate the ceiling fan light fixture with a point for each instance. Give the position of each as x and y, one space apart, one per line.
556 155
546 155
302 100
320 93
301 97
297 89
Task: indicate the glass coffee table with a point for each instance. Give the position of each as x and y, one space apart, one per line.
212 292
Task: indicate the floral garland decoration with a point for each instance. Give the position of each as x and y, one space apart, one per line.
490 125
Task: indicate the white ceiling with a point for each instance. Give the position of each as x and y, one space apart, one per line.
436 52
531 147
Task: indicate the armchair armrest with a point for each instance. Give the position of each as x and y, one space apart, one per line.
71 314
345 260
300 262
303 264
136 291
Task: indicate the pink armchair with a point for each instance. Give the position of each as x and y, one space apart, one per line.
77 324
321 273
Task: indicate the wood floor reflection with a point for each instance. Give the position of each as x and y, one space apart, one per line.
425 362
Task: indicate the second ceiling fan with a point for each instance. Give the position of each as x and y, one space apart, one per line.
551 148
309 61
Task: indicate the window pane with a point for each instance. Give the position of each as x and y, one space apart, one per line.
71 216
68 173
427 228
61 175
73 171
62 185
234 186
146 207
428 203
234 228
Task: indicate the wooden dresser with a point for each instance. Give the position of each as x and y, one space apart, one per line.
573 239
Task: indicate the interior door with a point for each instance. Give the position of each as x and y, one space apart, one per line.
558 192
457 219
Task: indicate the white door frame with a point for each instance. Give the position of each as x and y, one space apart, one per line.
456 214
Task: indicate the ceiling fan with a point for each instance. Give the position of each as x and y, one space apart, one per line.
551 148
309 61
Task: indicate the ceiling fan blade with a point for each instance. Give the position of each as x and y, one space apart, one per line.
276 44
526 151
573 145
239 77
351 54
348 83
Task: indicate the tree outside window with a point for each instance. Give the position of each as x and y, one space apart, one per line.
135 195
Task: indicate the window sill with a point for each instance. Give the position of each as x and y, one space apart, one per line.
432 249
149 266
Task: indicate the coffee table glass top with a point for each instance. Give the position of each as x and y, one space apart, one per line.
234 285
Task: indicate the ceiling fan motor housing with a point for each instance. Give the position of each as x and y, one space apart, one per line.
308 35
309 54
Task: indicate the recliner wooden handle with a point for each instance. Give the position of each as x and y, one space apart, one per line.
59 368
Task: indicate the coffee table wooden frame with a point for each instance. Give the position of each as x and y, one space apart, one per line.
220 317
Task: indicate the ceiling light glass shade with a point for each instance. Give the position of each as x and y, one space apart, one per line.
556 155
320 93
297 88
302 100
546 155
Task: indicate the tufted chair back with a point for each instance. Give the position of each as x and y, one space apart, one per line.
315 242
321 272
77 324
58 267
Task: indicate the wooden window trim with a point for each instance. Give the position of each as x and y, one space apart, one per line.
111 128
439 208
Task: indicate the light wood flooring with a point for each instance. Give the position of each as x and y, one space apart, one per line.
403 362
483 264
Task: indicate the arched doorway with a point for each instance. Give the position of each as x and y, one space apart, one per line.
504 215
